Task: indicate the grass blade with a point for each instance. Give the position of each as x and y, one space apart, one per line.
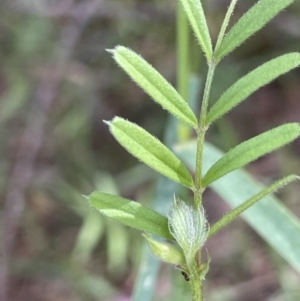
154 84
252 149
130 213
252 82
196 17
251 22
149 150
271 219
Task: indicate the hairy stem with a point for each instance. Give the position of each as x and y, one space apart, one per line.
195 281
201 135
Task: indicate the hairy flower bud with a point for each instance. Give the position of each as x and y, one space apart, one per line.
189 226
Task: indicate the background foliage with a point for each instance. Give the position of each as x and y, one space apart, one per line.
57 84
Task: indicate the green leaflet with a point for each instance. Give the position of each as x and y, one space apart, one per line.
252 82
229 217
250 150
149 150
196 17
154 84
252 21
130 213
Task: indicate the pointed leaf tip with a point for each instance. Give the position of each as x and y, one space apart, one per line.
110 50
107 122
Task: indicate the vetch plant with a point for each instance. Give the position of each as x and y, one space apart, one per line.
186 228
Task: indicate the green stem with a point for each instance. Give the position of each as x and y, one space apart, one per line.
196 288
201 135
195 282
209 79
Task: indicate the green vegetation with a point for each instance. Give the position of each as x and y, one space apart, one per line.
187 222
57 85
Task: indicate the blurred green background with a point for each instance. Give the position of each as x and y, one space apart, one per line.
57 84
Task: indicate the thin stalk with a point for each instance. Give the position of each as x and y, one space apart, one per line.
201 134
225 24
210 75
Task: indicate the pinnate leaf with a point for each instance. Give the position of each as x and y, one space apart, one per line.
270 218
252 149
149 150
251 22
130 213
252 82
154 84
196 17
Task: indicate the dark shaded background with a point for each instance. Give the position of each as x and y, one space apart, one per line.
57 84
